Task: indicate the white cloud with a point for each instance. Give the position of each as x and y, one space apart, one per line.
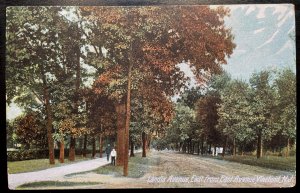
287 45
284 18
280 9
250 9
269 40
239 51
259 30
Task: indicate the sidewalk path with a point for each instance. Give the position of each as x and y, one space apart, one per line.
15 180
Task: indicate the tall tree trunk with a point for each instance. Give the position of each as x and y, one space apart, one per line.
128 112
120 109
84 145
234 147
48 117
287 148
72 149
194 144
259 145
80 146
77 86
215 149
184 147
198 148
94 147
148 141
188 147
131 148
144 141
202 146
224 147
100 145
62 151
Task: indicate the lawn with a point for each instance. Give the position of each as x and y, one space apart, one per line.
273 162
38 164
54 184
138 166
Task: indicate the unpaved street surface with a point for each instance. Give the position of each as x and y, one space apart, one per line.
180 170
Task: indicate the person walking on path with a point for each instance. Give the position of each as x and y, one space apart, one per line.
107 151
113 157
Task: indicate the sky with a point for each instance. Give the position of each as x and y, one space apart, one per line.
262 35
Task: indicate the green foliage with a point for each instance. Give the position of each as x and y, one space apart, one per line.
273 162
138 167
31 50
262 104
182 126
54 184
233 112
10 134
285 85
35 164
207 116
190 97
26 155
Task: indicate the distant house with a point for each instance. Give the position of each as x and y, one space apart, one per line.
218 150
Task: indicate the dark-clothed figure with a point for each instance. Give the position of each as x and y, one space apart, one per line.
107 151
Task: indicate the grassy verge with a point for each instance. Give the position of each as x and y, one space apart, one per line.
54 184
273 162
138 166
38 164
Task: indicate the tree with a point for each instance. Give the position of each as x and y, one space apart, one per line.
233 114
207 116
29 130
190 96
152 112
262 108
151 39
285 85
179 131
32 60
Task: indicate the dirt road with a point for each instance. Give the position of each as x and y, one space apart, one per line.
180 170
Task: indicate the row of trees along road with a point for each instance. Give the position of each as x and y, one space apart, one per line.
133 51
234 113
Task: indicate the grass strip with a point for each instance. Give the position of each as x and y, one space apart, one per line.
272 162
54 183
38 164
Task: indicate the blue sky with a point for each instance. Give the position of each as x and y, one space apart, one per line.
262 35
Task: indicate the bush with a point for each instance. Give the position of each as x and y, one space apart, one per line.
271 153
37 154
293 150
291 153
26 155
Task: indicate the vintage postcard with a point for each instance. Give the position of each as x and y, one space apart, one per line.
173 96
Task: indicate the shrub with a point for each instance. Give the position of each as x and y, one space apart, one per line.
26 154
37 154
291 153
